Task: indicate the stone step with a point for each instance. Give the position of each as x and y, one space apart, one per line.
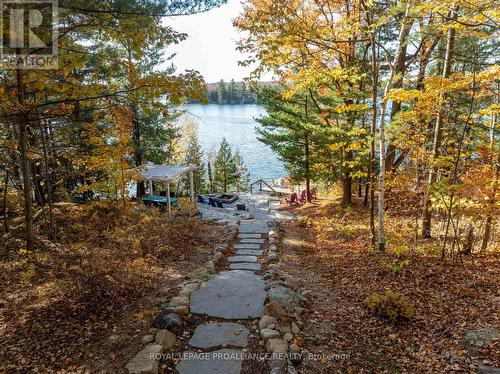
242 259
235 294
223 361
252 241
249 252
253 228
213 335
249 236
255 266
247 246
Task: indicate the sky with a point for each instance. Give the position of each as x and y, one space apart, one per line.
211 44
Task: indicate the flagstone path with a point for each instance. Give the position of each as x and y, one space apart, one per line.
235 294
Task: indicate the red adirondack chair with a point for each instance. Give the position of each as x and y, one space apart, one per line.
303 197
313 193
293 199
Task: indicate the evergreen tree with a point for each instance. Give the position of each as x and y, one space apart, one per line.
232 93
243 176
222 92
210 176
290 130
225 168
194 156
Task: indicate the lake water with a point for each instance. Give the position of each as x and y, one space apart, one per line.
237 124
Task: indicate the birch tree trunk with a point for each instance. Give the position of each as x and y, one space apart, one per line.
403 33
23 150
436 144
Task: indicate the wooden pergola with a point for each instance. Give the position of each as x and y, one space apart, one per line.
165 173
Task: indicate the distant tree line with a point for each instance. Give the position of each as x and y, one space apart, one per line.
230 93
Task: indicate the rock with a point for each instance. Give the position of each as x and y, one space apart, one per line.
288 336
218 257
291 281
475 339
291 370
287 298
269 334
168 321
210 266
185 292
220 248
277 363
178 301
183 310
274 282
295 328
200 273
267 322
272 257
301 311
145 361
295 354
484 369
146 339
274 309
166 339
283 328
277 345
280 370
311 339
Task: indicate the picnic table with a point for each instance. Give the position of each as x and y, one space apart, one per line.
160 201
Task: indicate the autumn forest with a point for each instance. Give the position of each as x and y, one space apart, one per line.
385 117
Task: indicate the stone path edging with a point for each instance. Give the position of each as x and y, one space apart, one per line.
233 295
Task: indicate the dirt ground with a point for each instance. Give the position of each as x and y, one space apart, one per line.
330 257
47 327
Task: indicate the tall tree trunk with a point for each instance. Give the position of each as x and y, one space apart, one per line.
396 107
48 182
469 240
4 203
373 129
436 144
23 150
488 224
347 183
306 156
403 33
307 168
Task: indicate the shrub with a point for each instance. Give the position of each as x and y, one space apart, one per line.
306 222
392 306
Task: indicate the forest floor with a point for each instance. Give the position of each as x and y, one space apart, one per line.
82 302
327 251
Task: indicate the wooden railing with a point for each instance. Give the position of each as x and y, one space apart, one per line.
261 183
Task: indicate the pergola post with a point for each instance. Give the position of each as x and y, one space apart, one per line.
191 185
151 187
167 184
